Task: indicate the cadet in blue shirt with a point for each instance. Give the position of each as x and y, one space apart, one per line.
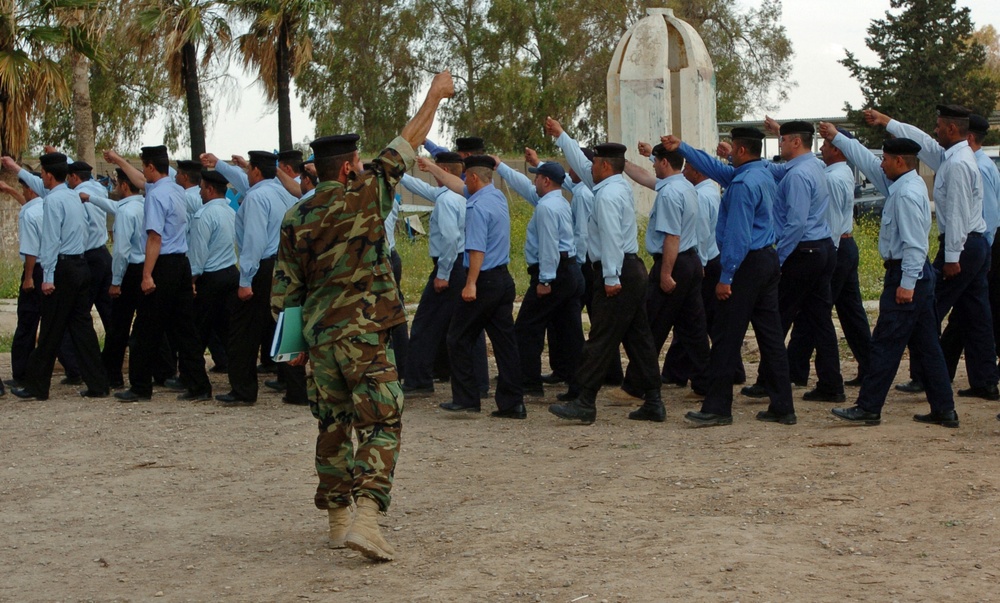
29 238
80 179
65 286
748 284
620 280
555 289
488 294
906 309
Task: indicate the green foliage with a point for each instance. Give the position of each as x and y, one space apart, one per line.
10 278
927 56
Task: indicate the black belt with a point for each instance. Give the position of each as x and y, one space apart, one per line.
70 256
659 256
173 255
495 269
892 264
270 257
968 236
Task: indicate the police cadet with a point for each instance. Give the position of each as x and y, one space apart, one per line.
906 309
213 260
257 227
555 288
845 286
488 293
290 171
963 258
80 179
748 286
307 185
620 280
189 178
673 298
167 299
443 291
65 288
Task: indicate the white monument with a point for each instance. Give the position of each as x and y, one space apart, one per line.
661 81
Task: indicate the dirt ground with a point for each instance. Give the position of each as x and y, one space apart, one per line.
173 501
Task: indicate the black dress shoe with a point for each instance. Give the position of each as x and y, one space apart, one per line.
12 383
71 381
753 391
945 419
130 396
856 382
288 400
649 412
574 411
514 412
552 379
533 392
857 414
195 396
771 417
986 392
707 419
275 384
232 399
94 393
175 384
24 393
817 395
453 407
910 387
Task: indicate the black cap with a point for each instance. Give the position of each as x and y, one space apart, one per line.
448 157
290 156
51 160
214 178
588 153
262 158
551 170
473 161
610 150
151 153
845 132
471 144
746 133
901 146
80 167
797 127
660 151
953 111
331 146
188 165
978 124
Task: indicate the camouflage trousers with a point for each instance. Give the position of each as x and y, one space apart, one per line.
355 389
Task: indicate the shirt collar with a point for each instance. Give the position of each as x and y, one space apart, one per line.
486 190
661 182
903 180
800 159
950 151
60 186
608 181
131 199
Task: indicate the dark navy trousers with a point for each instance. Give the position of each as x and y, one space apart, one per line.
560 312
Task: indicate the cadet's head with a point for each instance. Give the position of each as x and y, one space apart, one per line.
79 171
795 139
337 158
609 159
263 166
290 162
451 163
309 179
213 185
472 145
747 145
666 163
952 124
478 172
692 175
549 176
978 128
155 162
125 187
188 173
26 191
899 156
54 169
831 154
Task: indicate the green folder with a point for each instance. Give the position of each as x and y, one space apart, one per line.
288 341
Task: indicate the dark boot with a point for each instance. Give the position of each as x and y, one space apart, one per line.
651 410
583 409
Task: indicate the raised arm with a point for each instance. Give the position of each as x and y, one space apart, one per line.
419 188
858 156
415 132
454 183
134 175
702 161
521 184
293 187
235 175
931 152
434 149
104 203
640 175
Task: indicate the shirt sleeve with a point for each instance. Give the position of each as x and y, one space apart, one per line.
34 182
105 204
797 193
519 182
29 237
390 226
913 238
419 188
201 230
669 213
434 149
710 166
154 216
863 159
957 188
475 230
51 225
738 232
122 229
449 214
778 170
612 241
235 175
254 239
547 223
576 159
931 152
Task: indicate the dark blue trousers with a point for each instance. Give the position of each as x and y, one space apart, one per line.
915 323
29 313
560 311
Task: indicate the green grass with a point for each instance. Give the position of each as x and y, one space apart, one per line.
10 277
870 266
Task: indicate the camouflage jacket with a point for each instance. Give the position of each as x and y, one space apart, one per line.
333 259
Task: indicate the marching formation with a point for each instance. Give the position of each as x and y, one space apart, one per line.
736 241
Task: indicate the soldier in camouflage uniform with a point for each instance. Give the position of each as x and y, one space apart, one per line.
333 261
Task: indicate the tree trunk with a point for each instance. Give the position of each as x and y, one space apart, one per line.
83 113
196 119
284 102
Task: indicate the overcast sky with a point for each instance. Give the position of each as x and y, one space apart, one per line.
820 31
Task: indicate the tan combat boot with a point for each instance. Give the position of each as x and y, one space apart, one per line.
340 522
364 535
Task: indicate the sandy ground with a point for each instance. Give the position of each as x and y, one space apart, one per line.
176 501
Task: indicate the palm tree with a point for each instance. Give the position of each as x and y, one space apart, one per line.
184 27
277 46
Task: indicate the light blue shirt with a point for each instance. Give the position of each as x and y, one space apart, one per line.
64 228
801 206
708 217
390 224
192 200
130 238
906 215
487 227
745 222
29 228
235 175
258 226
97 218
581 206
674 212
840 215
991 194
34 182
446 238
958 187
612 229
165 213
212 235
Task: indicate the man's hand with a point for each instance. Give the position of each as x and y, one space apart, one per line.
6 188
723 291
553 128
299 360
10 165
543 290
645 149
469 293
239 161
440 285
111 157
443 85
951 270
423 164
874 118
531 157
670 143
667 283
724 150
208 160
84 197
904 296
827 130
771 126
612 290
309 168
496 161
245 293
148 286
29 283
48 288
114 291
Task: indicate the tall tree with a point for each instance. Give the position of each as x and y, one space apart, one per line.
365 69
277 45
927 56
